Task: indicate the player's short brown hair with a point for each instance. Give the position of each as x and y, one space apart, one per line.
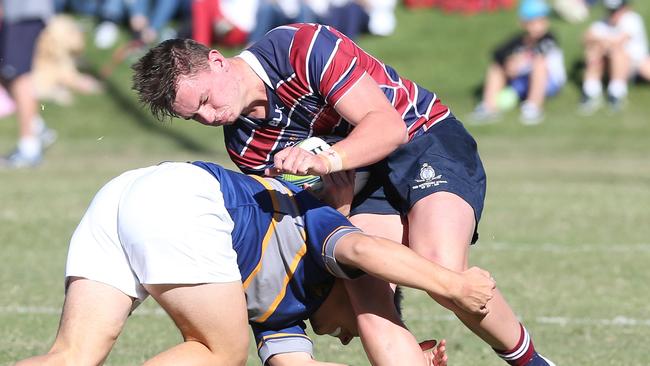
156 74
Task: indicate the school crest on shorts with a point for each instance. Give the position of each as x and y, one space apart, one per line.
428 178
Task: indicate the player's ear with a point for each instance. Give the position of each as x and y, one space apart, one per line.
215 56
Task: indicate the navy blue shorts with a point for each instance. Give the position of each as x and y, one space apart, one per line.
17 43
521 84
445 158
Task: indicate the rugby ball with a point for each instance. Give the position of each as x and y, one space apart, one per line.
316 145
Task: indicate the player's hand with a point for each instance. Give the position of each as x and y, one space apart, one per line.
475 290
435 353
297 161
338 190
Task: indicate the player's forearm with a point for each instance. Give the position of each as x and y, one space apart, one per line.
372 139
389 345
395 263
385 338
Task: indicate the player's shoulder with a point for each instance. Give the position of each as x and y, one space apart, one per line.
632 19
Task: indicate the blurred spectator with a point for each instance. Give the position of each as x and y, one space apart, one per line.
55 71
617 45
111 14
319 9
274 13
22 21
464 6
227 22
528 67
349 17
7 105
355 17
149 19
82 7
573 11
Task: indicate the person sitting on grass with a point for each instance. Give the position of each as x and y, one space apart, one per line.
217 249
528 67
619 45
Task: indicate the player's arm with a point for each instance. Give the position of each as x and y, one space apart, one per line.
395 263
379 130
297 359
384 336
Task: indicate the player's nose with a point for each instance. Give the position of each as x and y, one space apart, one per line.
205 116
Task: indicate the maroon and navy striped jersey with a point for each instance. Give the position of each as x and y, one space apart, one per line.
307 69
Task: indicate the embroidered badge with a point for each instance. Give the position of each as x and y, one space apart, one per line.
428 178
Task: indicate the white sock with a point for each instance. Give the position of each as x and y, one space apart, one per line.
29 146
39 125
592 88
617 88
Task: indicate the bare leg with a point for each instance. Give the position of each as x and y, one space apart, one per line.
441 228
93 316
22 90
212 319
538 80
385 339
383 335
595 60
495 81
619 62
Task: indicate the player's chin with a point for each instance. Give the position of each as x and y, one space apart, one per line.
227 122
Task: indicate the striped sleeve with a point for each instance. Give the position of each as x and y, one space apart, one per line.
325 61
273 342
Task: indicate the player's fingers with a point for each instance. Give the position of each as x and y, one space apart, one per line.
292 161
481 271
441 355
272 171
280 157
304 164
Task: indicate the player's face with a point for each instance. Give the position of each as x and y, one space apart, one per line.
335 316
537 27
211 97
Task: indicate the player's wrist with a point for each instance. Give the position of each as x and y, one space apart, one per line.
333 160
450 285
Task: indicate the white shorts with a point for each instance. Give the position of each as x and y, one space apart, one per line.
165 224
632 25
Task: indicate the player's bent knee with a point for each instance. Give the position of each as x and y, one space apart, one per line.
66 357
234 357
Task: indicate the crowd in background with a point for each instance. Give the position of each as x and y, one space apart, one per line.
525 69
228 22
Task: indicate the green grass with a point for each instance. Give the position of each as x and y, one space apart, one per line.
565 228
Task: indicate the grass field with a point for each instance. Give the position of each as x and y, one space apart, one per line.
565 229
